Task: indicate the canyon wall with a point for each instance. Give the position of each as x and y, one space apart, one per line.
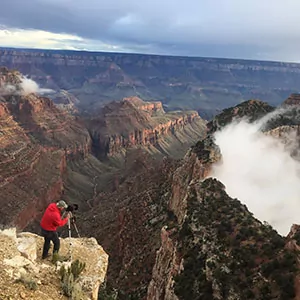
36 141
205 253
203 84
133 122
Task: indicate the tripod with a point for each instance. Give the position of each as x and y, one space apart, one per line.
69 230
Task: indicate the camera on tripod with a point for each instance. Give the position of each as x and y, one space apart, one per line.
72 208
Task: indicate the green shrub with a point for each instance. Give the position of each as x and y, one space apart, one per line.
76 268
68 279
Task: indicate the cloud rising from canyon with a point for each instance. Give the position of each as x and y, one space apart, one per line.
25 87
258 170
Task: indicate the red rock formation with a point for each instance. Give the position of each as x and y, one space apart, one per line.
195 167
133 122
150 107
36 138
53 128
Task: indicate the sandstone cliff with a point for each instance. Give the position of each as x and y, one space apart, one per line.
24 275
36 141
133 122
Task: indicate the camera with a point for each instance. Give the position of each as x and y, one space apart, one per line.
72 207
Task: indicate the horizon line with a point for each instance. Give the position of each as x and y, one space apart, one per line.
148 54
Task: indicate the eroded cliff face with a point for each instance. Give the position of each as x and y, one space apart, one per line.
65 101
203 84
127 222
195 167
133 122
216 249
222 252
36 141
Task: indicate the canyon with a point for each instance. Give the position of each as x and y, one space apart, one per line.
194 225
206 85
141 176
46 152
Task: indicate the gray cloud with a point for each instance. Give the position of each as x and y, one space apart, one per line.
250 28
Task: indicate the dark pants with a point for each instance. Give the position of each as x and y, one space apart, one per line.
50 236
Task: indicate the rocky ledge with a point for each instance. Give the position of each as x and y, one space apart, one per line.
24 275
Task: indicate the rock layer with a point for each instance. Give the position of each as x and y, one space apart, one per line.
133 122
203 84
36 141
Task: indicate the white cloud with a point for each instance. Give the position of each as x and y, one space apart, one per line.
26 86
29 86
38 39
246 29
14 37
259 171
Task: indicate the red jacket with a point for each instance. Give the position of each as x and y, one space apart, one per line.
52 219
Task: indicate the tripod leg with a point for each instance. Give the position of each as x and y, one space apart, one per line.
70 245
75 226
76 230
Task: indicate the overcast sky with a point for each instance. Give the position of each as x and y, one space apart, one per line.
255 29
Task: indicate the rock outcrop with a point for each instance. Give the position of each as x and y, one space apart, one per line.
293 99
24 275
251 110
133 122
65 101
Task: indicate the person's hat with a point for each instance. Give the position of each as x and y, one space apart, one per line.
62 204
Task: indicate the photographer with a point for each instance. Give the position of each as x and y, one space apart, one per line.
51 220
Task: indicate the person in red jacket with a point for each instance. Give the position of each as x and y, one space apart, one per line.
51 220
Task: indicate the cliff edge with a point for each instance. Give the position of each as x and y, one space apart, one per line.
23 275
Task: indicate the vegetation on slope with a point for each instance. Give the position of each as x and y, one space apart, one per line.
251 109
228 253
